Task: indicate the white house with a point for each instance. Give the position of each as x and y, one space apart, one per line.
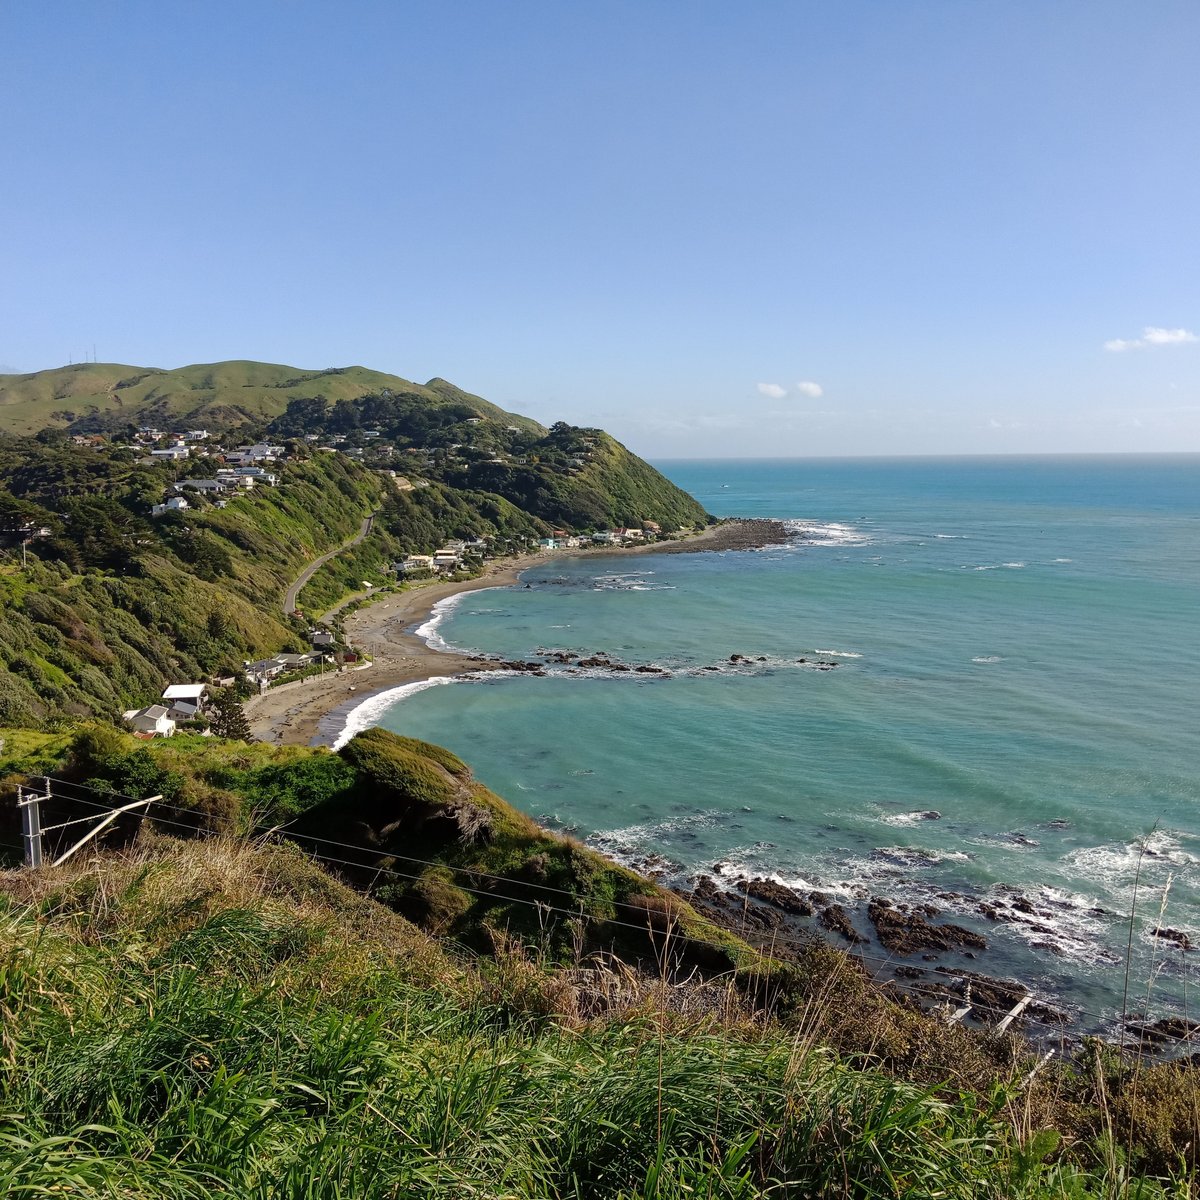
171 453
414 562
153 720
195 435
174 504
194 693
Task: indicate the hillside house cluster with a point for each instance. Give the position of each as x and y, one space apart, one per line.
267 670
180 702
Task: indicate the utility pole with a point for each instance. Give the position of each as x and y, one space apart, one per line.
31 823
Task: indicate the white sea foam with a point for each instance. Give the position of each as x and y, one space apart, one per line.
1064 560
630 583
1007 566
916 817
368 713
952 537
815 533
988 658
1116 865
428 632
839 653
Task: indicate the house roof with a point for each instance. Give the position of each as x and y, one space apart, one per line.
185 691
153 711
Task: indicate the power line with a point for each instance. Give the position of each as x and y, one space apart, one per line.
912 989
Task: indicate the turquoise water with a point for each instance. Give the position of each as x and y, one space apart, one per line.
1019 650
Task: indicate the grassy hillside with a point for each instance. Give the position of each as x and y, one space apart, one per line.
215 1017
95 396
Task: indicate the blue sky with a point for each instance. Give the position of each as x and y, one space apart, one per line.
773 228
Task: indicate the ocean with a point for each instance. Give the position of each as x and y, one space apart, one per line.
1011 726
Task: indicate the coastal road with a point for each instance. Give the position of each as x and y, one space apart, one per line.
289 601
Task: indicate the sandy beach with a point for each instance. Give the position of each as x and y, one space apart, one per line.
314 708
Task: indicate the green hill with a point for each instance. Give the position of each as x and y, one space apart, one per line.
93 397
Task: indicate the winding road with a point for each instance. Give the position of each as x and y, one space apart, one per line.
289 601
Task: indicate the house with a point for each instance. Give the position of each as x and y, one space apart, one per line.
192 693
651 527
549 543
259 452
174 504
297 662
474 421
258 474
210 486
447 560
321 639
629 535
183 710
606 537
195 435
92 441
154 720
414 562
262 671
171 453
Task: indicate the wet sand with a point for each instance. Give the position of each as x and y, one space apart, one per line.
314 709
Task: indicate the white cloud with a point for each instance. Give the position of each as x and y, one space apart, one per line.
773 390
807 388
1152 336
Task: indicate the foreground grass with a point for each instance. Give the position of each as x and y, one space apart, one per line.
193 1020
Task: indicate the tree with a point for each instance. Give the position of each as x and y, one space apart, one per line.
228 718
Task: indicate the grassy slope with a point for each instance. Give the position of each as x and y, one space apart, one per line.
219 394
218 1018
213 1019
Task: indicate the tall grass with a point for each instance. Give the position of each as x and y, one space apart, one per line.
167 1035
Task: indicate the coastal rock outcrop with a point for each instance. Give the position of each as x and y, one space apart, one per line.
904 932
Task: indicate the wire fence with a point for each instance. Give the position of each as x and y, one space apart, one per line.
920 992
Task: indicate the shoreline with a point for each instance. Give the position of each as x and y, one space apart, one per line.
315 710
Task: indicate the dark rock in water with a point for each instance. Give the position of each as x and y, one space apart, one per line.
710 668
738 658
1057 823
618 667
802 660
819 898
1024 905
907 932
1169 1029
645 670
910 972
762 658
707 890
837 920
1050 946
777 894
931 814
1177 936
